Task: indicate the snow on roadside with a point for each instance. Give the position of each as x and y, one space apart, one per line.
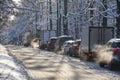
10 69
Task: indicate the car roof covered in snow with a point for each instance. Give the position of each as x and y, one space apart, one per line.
53 37
78 40
114 40
65 36
70 41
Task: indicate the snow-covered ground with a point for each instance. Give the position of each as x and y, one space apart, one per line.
10 68
44 65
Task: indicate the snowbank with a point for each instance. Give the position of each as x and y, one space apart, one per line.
10 69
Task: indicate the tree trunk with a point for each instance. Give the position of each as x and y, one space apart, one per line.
104 24
58 18
118 19
50 4
65 21
91 12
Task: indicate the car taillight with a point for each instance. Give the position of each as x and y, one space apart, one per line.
77 47
90 54
115 50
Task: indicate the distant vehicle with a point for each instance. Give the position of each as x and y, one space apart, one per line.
92 36
60 41
51 43
35 43
67 45
74 49
44 35
114 46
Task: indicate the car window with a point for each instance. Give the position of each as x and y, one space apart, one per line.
53 40
115 45
70 43
62 40
77 42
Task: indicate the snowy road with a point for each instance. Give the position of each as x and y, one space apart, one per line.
43 65
10 68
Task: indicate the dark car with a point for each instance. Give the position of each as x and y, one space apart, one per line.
51 43
74 50
60 41
114 47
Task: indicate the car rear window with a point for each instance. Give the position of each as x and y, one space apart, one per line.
78 42
116 45
63 39
70 43
53 40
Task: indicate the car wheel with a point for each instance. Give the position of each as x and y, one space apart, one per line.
111 66
101 64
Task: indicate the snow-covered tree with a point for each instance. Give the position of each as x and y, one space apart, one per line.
65 16
5 12
85 13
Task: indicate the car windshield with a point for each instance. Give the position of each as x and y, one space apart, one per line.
116 45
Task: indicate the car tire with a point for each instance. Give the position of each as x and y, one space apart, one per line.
101 64
111 66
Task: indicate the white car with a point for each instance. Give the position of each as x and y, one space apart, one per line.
67 45
114 47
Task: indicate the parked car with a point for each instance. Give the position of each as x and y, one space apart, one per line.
60 41
67 45
43 45
114 46
51 43
74 49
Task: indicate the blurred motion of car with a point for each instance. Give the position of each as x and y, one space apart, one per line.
67 45
114 46
74 49
60 41
51 43
35 43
